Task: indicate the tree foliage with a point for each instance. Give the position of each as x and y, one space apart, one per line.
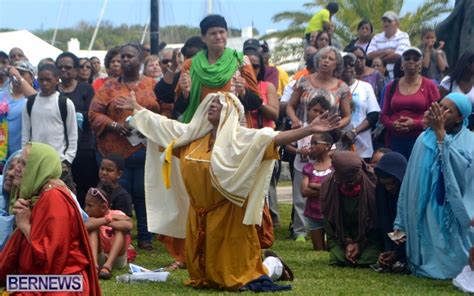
351 12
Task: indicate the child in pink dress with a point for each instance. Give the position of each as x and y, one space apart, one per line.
313 175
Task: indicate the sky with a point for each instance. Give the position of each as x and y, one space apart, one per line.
44 14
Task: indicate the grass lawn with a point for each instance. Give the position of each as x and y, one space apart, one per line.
313 276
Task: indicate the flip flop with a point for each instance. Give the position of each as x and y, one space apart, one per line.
105 273
287 274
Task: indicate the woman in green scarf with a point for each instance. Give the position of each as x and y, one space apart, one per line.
216 68
50 237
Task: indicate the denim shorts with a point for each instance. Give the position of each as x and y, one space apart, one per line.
314 224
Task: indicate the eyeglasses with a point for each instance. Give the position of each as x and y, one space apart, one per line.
65 67
256 66
85 66
166 61
96 193
411 58
146 49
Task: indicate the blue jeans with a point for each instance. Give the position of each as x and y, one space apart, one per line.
133 180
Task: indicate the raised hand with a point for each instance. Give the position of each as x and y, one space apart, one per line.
325 122
185 83
128 102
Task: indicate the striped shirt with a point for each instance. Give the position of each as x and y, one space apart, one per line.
400 41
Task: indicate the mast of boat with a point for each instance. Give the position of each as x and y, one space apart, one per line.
98 25
209 7
53 41
154 26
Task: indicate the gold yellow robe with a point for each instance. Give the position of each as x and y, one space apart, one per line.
221 251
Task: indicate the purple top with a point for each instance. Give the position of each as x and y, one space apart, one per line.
313 204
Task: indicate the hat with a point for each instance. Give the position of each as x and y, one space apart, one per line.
349 55
25 66
253 44
212 20
412 49
4 55
391 15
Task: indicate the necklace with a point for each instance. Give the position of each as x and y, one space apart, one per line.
412 86
134 84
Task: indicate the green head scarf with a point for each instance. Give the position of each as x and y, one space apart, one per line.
43 164
211 75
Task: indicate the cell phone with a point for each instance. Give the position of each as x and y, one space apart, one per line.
397 236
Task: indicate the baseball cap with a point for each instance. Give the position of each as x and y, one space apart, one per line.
349 55
252 44
414 50
391 15
4 55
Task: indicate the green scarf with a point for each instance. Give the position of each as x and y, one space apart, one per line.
42 164
213 76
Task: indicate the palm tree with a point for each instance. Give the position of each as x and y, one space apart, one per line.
351 12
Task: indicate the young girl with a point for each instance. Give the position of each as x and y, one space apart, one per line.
313 175
109 233
317 106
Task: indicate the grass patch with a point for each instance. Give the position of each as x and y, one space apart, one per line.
313 275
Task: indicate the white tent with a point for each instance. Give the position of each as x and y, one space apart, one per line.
34 47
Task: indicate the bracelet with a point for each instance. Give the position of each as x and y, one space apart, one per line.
354 130
114 125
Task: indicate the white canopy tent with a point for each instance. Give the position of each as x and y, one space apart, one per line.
35 48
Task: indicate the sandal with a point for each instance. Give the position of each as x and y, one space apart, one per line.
105 273
145 245
287 274
175 266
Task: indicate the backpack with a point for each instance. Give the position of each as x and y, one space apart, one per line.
62 103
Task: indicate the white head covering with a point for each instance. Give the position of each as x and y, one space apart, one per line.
237 170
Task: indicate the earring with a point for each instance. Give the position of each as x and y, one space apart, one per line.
402 69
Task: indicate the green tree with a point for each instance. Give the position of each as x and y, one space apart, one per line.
351 12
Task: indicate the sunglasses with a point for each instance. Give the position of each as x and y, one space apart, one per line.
146 49
349 64
65 67
314 143
167 61
85 66
96 193
411 58
256 66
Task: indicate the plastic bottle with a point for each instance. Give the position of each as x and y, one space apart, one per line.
142 277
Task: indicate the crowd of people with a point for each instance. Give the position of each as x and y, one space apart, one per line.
189 144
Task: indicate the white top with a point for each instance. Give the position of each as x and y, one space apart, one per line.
288 91
364 101
46 125
446 84
400 41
